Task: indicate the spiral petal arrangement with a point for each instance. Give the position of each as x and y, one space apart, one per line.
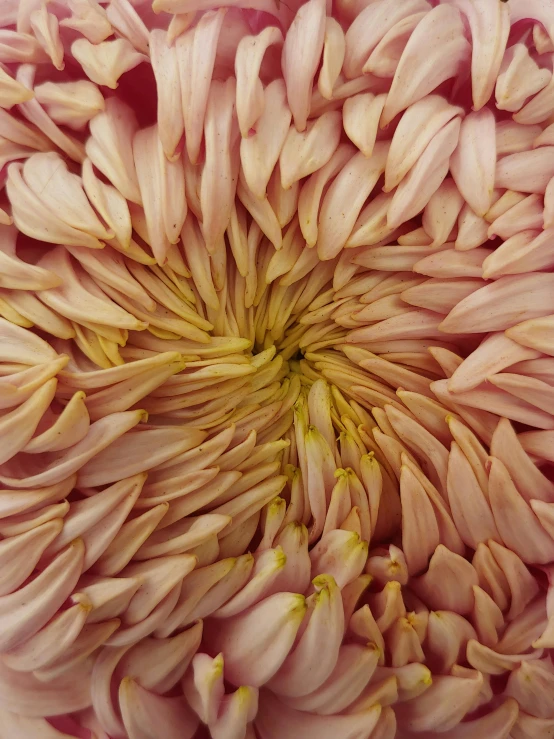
276 369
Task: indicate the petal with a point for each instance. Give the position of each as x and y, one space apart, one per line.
474 161
104 63
518 525
145 714
275 718
424 179
301 54
256 642
435 61
370 26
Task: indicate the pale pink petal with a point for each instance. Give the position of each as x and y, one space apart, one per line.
474 160
170 112
486 397
417 127
236 712
21 553
447 636
196 50
519 78
370 26
424 179
355 665
146 714
535 333
301 55
127 22
524 215
344 200
47 32
27 695
250 92
441 295
495 724
489 23
385 57
71 104
341 554
260 150
312 191
533 391
470 510
512 137
453 263
110 147
493 355
157 177
527 171
334 48
517 524
420 534
442 211
531 685
502 304
538 443
472 230
88 19
448 583
435 52
104 63
276 719
306 668
256 643
360 115
27 610
219 176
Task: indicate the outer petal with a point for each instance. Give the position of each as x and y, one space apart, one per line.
434 53
301 55
474 160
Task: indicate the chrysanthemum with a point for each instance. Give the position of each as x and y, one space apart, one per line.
276 369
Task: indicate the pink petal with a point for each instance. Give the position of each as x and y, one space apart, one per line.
275 719
369 27
415 191
474 160
145 714
248 60
435 61
256 642
518 525
520 77
489 23
447 567
305 669
301 54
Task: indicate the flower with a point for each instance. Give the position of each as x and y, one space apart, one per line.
276 369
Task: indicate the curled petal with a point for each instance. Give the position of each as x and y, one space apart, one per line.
301 54
250 91
370 26
489 23
436 709
447 567
104 63
425 64
424 179
256 642
275 719
517 523
146 714
474 161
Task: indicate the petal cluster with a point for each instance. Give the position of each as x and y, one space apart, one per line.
277 369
